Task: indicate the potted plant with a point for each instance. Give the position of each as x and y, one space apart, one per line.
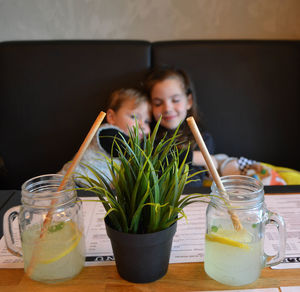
143 202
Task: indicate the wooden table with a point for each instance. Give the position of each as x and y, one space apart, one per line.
180 277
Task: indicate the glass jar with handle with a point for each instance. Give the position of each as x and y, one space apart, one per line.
236 257
51 229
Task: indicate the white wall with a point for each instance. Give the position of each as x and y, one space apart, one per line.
149 19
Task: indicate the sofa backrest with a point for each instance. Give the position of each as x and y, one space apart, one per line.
248 92
52 91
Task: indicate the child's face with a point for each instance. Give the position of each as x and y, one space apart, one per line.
125 117
170 101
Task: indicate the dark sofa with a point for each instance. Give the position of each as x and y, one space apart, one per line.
52 91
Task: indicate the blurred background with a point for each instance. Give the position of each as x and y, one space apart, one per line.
151 20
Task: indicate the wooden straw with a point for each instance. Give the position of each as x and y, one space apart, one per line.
70 170
193 126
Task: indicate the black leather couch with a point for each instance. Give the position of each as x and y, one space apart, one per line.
52 91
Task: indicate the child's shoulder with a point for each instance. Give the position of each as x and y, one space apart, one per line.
106 135
108 129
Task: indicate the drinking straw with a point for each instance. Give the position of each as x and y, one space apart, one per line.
193 126
70 170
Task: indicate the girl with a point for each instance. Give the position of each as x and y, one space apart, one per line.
125 107
172 99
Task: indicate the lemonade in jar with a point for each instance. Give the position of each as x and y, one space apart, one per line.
51 229
61 252
229 252
236 257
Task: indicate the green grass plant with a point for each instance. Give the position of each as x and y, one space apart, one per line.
145 191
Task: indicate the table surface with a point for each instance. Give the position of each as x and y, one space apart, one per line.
180 277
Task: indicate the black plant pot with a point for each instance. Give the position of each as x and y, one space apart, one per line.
141 258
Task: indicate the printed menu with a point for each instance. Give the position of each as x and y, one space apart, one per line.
188 242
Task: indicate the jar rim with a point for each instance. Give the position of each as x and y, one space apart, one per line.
240 189
44 187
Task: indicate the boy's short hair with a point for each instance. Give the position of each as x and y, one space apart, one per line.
118 97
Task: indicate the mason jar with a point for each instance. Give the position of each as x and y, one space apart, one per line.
236 256
51 229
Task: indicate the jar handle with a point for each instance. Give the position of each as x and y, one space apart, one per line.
277 220
9 216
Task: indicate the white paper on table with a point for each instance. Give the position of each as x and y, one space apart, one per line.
188 242
249 290
287 206
290 289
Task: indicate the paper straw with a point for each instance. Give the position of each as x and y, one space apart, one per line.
69 172
211 167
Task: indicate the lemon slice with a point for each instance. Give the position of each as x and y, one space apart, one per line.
226 240
58 244
64 253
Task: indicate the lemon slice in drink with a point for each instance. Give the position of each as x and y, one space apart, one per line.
232 238
59 243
